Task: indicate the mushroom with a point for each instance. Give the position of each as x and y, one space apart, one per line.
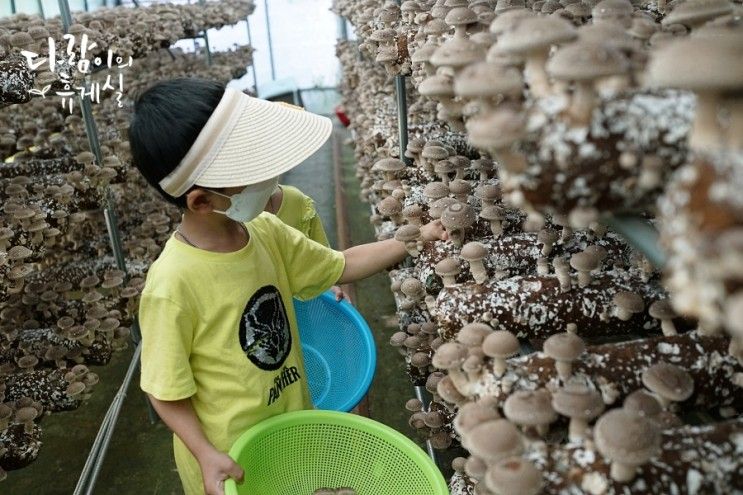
6 412
484 167
460 189
562 271
472 414
531 408
435 191
433 154
413 290
628 440
663 311
532 38
543 267
564 348
694 13
514 476
456 219
442 169
643 403
449 357
493 440
447 269
474 253
626 304
448 392
413 214
496 132
668 382
500 345
410 235
437 207
390 207
26 417
583 63
579 403
473 334
584 263
548 238
494 215
613 12
488 194
475 467
391 167
709 66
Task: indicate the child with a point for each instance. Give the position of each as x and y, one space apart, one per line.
220 348
296 209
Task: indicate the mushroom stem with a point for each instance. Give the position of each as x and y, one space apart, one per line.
584 278
460 381
564 369
623 473
584 101
499 366
496 227
478 272
705 132
412 248
577 429
668 328
536 75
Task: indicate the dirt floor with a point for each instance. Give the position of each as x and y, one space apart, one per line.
139 459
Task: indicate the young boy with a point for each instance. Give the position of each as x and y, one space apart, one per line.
220 348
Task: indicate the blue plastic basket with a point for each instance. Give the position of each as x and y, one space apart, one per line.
339 352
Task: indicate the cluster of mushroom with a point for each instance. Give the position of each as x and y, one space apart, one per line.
566 120
64 303
126 32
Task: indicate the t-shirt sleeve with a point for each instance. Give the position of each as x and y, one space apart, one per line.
311 267
167 335
317 231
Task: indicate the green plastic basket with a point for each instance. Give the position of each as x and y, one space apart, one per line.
296 453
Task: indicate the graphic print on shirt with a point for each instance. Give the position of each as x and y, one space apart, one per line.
264 329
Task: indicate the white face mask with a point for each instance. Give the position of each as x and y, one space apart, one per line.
250 202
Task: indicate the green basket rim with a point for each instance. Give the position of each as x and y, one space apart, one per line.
407 446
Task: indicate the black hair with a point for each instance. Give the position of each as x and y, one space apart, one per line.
167 119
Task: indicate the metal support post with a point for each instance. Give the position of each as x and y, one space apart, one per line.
270 43
40 7
402 116
252 58
422 395
205 35
641 234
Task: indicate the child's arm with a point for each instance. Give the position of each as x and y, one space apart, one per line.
215 466
367 259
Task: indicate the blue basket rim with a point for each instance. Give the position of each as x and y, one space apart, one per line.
368 339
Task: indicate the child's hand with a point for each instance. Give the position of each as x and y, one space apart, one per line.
339 294
216 467
434 231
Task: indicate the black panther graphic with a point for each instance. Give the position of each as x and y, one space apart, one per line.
264 329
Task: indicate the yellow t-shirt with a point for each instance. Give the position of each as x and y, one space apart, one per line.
220 328
298 210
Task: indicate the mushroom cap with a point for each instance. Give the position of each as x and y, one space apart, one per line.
443 167
629 301
598 251
530 407
497 129
697 11
21 39
473 251
586 61
389 165
26 414
584 261
613 34
436 190
75 388
577 400
460 16
643 402
383 35
447 267
457 52
536 34
458 216
459 186
435 86
472 414
564 346
698 64
626 437
514 476
412 211
607 9
389 206
488 80
18 253
473 334
484 165
449 355
436 26
407 233
668 381
662 310
488 192
411 286
547 236
5 411
508 20
439 205
490 213
494 439
434 152
500 344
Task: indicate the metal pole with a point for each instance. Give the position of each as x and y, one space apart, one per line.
402 116
40 6
342 28
205 35
270 43
421 395
12 6
641 234
252 57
